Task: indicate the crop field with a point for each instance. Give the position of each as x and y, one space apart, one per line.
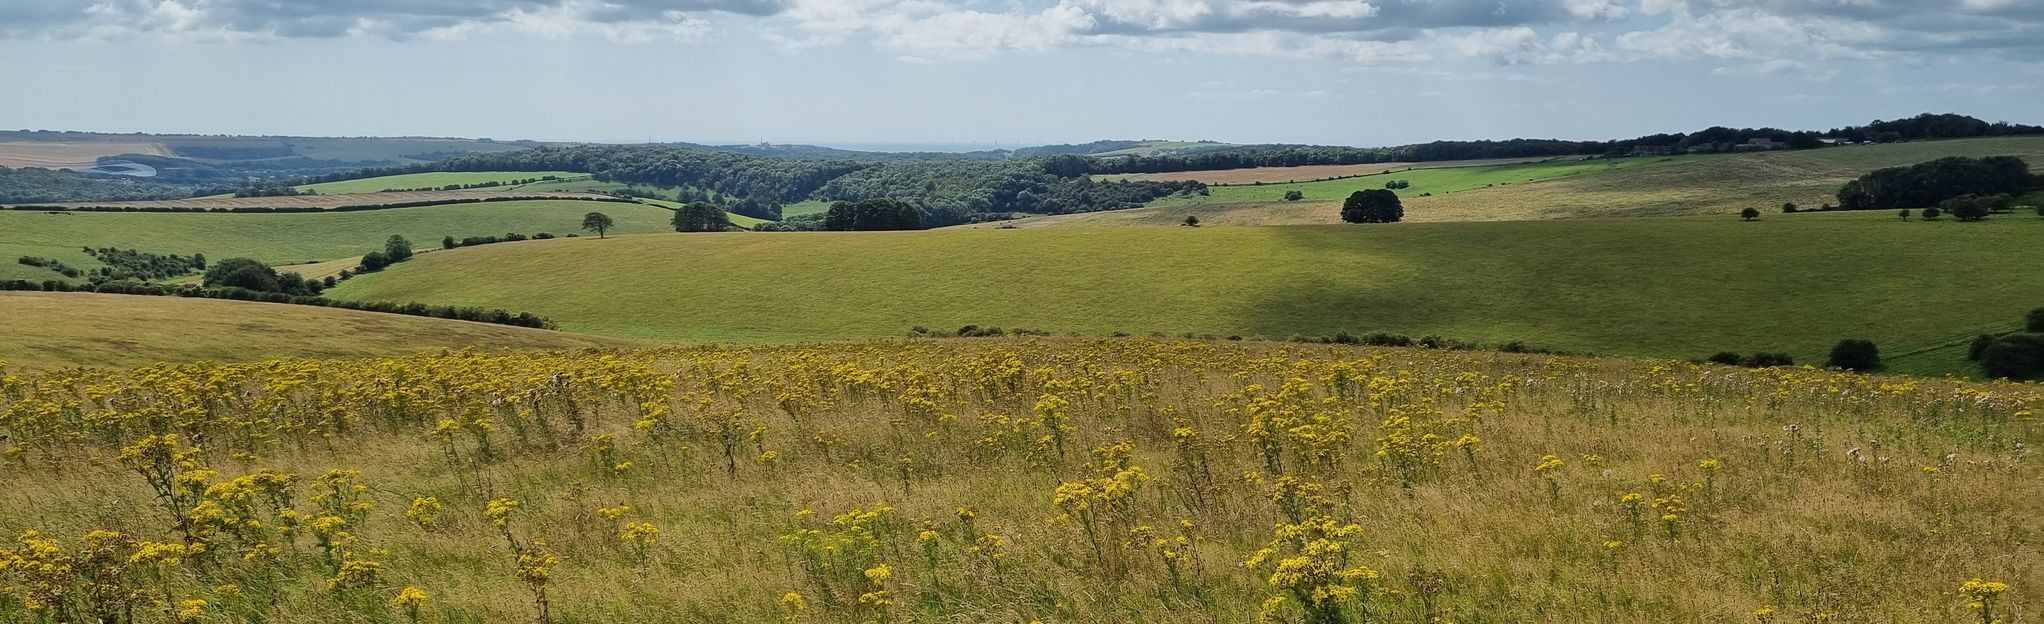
70 155
336 200
1678 287
291 238
1626 187
1306 173
436 180
48 330
1130 481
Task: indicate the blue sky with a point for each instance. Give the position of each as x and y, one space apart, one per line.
1357 72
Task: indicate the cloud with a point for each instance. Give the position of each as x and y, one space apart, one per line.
247 19
1743 36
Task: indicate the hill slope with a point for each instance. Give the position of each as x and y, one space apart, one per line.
1625 187
1682 287
294 237
82 329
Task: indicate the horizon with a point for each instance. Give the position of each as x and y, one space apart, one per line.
1024 72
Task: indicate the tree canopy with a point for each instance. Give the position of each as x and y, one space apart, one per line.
1372 206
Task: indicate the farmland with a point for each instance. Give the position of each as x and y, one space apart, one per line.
1677 287
330 201
1267 175
290 238
439 179
1626 187
1045 480
82 329
70 155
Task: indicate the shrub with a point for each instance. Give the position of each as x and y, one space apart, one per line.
1905 214
2015 356
1750 214
1726 358
1294 195
1191 221
448 242
1382 339
1856 355
1931 213
1789 208
1978 347
1765 359
2034 322
374 261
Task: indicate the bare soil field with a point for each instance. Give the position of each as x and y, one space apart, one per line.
334 201
68 155
1310 172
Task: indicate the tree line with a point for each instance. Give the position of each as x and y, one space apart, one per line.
480 315
1925 126
1932 183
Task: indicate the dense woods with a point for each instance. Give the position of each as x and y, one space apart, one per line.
1931 183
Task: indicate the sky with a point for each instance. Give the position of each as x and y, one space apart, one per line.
1345 72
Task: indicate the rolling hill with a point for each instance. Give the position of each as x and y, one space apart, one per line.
1675 287
290 238
81 329
1625 187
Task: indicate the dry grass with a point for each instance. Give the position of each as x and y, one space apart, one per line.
804 469
47 330
51 155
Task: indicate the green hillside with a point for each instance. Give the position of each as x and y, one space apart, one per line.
120 330
294 237
1624 187
1681 287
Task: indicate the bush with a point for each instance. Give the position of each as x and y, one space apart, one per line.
1856 355
1767 360
1726 358
2034 322
1294 195
1750 214
374 261
1932 213
1978 347
2015 356
1789 208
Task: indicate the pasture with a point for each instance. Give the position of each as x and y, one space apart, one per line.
48 330
1676 287
1624 187
292 238
330 201
1302 174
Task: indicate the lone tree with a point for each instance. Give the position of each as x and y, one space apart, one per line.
397 249
1905 214
1789 207
597 222
1191 221
1750 214
1932 213
1372 206
1294 195
701 217
1856 355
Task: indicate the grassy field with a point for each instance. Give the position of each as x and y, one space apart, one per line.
435 180
331 200
294 237
1304 174
1626 187
1118 481
802 208
1678 287
45 330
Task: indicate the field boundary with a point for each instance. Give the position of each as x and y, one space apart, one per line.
497 316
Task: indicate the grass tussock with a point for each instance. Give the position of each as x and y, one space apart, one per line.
1015 481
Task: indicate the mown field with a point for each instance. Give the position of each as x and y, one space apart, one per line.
1676 287
1127 481
1626 187
48 330
290 238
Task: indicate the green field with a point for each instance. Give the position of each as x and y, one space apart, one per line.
294 237
1676 287
1624 187
82 329
433 180
813 206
